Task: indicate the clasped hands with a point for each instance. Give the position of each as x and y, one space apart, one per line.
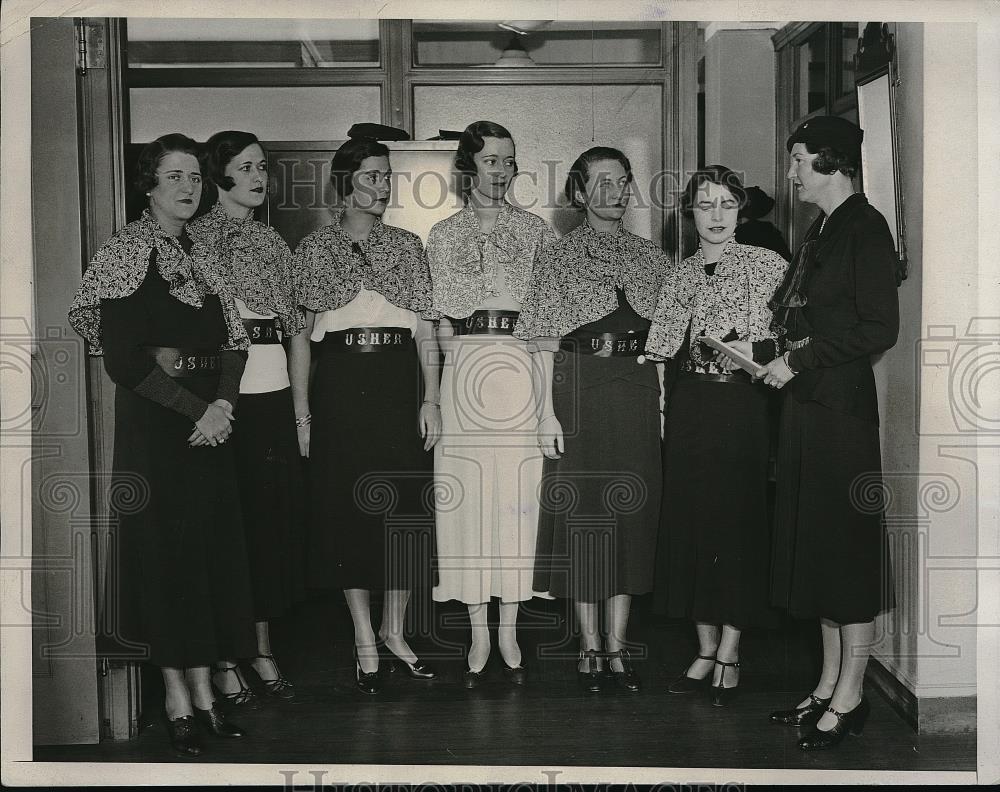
777 374
215 426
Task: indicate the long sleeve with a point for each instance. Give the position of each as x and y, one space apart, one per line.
123 328
232 365
875 301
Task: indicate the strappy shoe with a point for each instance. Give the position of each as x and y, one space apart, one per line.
279 688
723 696
590 680
686 684
802 716
847 722
244 697
626 678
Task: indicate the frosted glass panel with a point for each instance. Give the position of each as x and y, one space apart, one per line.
551 126
282 43
270 113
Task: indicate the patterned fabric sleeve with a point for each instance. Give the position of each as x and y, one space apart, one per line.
672 315
540 312
310 291
421 300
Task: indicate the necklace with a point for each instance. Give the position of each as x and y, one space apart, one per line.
823 224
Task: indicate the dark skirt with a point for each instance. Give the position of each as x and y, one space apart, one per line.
600 502
183 589
713 554
272 492
830 553
370 480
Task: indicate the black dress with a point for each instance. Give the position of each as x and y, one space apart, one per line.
371 481
600 502
830 554
183 588
713 555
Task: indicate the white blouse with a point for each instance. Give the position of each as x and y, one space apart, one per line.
367 309
267 366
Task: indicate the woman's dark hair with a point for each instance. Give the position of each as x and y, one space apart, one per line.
712 174
576 181
219 152
472 142
830 160
152 153
348 159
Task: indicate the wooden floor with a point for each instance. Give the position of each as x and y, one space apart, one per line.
548 722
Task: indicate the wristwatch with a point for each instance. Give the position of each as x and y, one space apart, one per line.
787 358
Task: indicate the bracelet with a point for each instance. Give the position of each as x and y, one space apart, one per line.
432 403
305 420
787 364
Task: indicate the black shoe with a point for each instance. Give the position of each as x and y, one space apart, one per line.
517 675
473 679
244 697
279 688
215 722
723 696
416 670
368 683
686 684
626 678
184 736
802 716
590 680
853 722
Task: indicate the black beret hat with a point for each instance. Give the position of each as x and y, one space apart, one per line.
377 132
833 131
758 204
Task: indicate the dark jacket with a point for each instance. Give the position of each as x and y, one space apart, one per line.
852 311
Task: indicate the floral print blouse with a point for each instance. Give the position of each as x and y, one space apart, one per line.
257 264
733 299
466 264
120 267
331 269
575 279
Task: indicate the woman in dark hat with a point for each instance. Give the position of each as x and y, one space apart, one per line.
752 230
366 291
587 312
713 551
256 263
481 260
838 307
156 305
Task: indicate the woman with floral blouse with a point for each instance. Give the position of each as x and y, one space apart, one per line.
481 260
155 305
587 312
366 291
713 552
257 266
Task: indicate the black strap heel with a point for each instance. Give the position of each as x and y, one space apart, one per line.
242 697
279 688
721 695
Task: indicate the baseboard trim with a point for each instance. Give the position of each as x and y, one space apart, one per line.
899 697
930 715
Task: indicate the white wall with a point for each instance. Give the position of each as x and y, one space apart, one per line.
314 113
551 126
739 104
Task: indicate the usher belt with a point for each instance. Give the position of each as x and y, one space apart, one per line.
487 322
262 331
368 339
185 362
605 344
